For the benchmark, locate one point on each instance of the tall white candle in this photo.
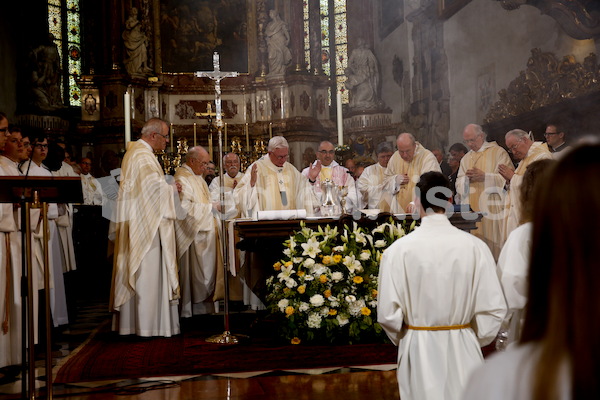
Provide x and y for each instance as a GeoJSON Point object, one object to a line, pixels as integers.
{"type": "Point", "coordinates": [194, 134]}
{"type": "Point", "coordinates": [127, 107]}
{"type": "Point", "coordinates": [270, 130]}
{"type": "Point", "coordinates": [340, 121]}
{"type": "Point", "coordinates": [225, 137]}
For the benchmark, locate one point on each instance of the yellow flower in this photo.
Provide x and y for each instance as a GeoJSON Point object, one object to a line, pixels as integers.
{"type": "Point", "coordinates": [327, 260]}
{"type": "Point", "coordinates": [289, 310]}
{"type": "Point", "coordinates": [327, 293]}
{"type": "Point", "coordinates": [296, 340]}
{"type": "Point", "coordinates": [365, 311]}
{"type": "Point", "coordinates": [374, 292]}
{"type": "Point", "coordinates": [277, 266]}
{"type": "Point", "coordinates": [288, 263]}
{"type": "Point", "coordinates": [357, 279]}
{"type": "Point", "coordinates": [337, 258]}
{"type": "Point", "coordinates": [286, 290]}
{"type": "Point", "coordinates": [323, 278]}
{"type": "Point", "coordinates": [332, 311]}
{"type": "Point", "coordinates": [301, 273]}
{"type": "Point", "coordinates": [301, 289]}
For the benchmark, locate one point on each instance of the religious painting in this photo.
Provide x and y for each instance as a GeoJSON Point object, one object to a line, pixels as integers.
{"type": "Point", "coordinates": [391, 15]}
{"type": "Point", "coordinates": [448, 8]}
{"type": "Point", "coordinates": [192, 30]}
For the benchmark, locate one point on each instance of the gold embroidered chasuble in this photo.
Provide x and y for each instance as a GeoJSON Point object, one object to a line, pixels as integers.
{"type": "Point", "coordinates": [423, 161]}
{"type": "Point", "coordinates": [486, 196]}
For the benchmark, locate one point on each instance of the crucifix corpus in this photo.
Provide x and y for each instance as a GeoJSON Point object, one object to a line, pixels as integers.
{"type": "Point", "coordinates": [217, 75]}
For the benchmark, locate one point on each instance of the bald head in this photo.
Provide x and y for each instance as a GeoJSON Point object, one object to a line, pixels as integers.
{"type": "Point", "coordinates": [197, 158]}
{"type": "Point", "coordinates": [407, 144]}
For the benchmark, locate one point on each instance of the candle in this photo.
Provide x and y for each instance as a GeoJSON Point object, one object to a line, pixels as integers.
{"type": "Point", "coordinates": [172, 129]}
{"type": "Point", "coordinates": [226, 137]}
{"type": "Point", "coordinates": [340, 122]}
{"type": "Point", "coordinates": [270, 130]}
{"type": "Point", "coordinates": [194, 134]}
{"type": "Point", "coordinates": [127, 109]}
{"type": "Point", "coordinates": [208, 108]}
{"type": "Point", "coordinates": [247, 138]}
{"type": "Point", "coordinates": [210, 146]}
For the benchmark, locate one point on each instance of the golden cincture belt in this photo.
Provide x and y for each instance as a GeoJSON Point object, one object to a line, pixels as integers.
{"type": "Point", "coordinates": [438, 328]}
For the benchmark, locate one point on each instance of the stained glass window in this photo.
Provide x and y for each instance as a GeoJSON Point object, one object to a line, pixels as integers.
{"type": "Point", "coordinates": [334, 41]}
{"type": "Point", "coordinates": [64, 24]}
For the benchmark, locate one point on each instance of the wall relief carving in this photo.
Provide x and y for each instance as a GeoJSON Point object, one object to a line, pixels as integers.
{"type": "Point", "coordinates": [546, 81]}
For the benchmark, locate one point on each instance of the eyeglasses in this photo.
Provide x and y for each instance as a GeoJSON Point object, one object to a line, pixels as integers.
{"type": "Point", "coordinates": [327, 152]}
{"type": "Point", "coordinates": [550, 133]}
{"type": "Point", "coordinates": [512, 148]}
{"type": "Point", "coordinates": [164, 136]}
{"type": "Point", "coordinates": [41, 146]}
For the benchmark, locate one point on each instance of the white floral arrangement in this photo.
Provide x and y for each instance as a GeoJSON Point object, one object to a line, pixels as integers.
{"type": "Point", "coordinates": [324, 289]}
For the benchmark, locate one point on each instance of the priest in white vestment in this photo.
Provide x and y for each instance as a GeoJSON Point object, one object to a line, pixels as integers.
{"type": "Point", "coordinates": [480, 185]}
{"type": "Point", "coordinates": [145, 287]}
{"type": "Point", "coordinates": [325, 167]}
{"type": "Point", "coordinates": [525, 151]}
{"type": "Point", "coordinates": [272, 183]}
{"type": "Point", "coordinates": [198, 246]}
{"type": "Point", "coordinates": [371, 183]}
{"type": "Point", "coordinates": [404, 169]}
{"type": "Point", "coordinates": [439, 300]}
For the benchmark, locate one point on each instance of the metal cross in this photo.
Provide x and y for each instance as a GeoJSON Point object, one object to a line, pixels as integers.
{"type": "Point", "coordinates": [217, 75]}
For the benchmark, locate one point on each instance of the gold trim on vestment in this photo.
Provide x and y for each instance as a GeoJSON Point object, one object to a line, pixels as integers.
{"type": "Point", "coordinates": [438, 328]}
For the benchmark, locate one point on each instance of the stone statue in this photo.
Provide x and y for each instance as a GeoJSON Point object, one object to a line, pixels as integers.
{"type": "Point", "coordinates": [278, 38]}
{"type": "Point", "coordinates": [45, 76]}
{"type": "Point", "coordinates": [363, 78]}
{"type": "Point", "coordinates": [136, 45]}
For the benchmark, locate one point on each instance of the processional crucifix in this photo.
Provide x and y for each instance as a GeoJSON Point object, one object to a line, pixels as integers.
{"type": "Point", "coordinates": [217, 75]}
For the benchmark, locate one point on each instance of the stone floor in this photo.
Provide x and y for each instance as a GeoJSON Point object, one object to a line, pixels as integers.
{"type": "Point", "coordinates": [377, 383]}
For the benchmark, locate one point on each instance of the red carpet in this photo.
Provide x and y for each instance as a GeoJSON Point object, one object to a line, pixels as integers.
{"type": "Point", "coordinates": [109, 356]}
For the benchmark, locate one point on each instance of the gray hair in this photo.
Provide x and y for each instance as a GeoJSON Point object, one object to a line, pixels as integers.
{"type": "Point", "coordinates": [231, 153]}
{"type": "Point", "coordinates": [153, 125]}
{"type": "Point", "coordinates": [518, 133]}
{"type": "Point", "coordinates": [194, 153]}
{"type": "Point", "coordinates": [384, 147]}
{"type": "Point", "coordinates": [409, 135]}
{"type": "Point", "coordinates": [479, 131]}
{"type": "Point", "coordinates": [277, 142]}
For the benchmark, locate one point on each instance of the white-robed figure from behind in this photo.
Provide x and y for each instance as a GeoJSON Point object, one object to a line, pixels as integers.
{"type": "Point", "coordinates": [371, 183]}
{"type": "Point", "coordinates": [404, 169]}
{"type": "Point", "coordinates": [272, 183]}
{"type": "Point", "coordinates": [325, 167]}
{"type": "Point", "coordinates": [558, 355]}
{"type": "Point", "coordinates": [198, 245]}
{"type": "Point", "coordinates": [513, 264]}
{"type": "Point", "coordinates": [145, 287]}
{"type": "Point", "coordinates": [439, 299]}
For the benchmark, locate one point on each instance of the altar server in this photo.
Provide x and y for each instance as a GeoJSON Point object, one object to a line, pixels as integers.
{"type": "Point", "coordinates": [439, 299]}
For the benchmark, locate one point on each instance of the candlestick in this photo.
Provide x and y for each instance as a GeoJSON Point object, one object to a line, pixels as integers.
{"type": "Point", "coordinates": [226, 137]}
{"type": "Point", "coordinates": [127, 109]}
{"type": "Point", "coordinates": [340, 121]}
{"type": "Point", "coordinates": [270, 130]}
{"type": "Point", "coordinates": [171, 141]}
{"type": "Point", "coordinates": [247, 138]}
{"type": "Point", "coordinates": [194, 134]}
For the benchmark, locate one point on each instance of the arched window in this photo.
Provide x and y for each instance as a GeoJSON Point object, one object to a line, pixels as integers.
{"type": "Point", "coordinates": [334, 41]}
{"type": "Point", "coordinates": [64, 24]}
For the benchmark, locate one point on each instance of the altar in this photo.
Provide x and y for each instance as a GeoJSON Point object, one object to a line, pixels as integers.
{"type": "Point", "coordinates": [263, 240]}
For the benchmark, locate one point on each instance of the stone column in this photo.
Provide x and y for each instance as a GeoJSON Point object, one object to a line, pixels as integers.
{"type": "Point", "coordinates": [314, 25]}
{"type": "Point", "coordinates": [297, 34]}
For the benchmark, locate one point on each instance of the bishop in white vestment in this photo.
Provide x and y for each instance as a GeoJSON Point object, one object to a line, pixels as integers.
{"type": "Point", "coordinates": [439, 301]}
{"type": "Point", "coordinates": [371, 183]}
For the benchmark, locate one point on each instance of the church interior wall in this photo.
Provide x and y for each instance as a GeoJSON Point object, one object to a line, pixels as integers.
{"type": "Point", "coordinates": [488, 47]}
